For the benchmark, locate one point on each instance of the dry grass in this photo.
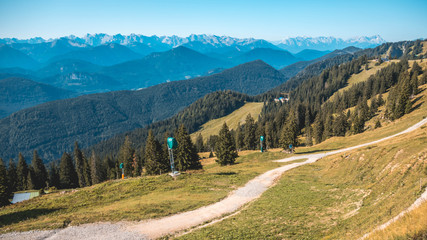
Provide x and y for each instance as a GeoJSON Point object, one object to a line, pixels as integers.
{"type": "Point", "coordinates": [411, 224]}
{"type": "Point", "coordinates": [212, 127]}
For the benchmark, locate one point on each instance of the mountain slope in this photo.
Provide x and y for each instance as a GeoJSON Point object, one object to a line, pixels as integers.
{"type": "Point", "coordinates": [276, 58]}
{"type": "Point", "coordinates": [104, 55]}
{"type": "Point", "coordinates": [91, 118]}
{"type": "Point", "coordinates": [20, 93]}
{"type": "Point", "coordinates": [10, 58]}
{"type": "Point", "coordinates": [310, 54]}
{"type": "Point", "coordinates": [176, 64]}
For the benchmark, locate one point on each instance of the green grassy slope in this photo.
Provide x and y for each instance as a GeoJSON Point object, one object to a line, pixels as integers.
{"type": "Point", "coordinates": [212, 127]}
{"type": "Point", "coordinates": [339, 197]}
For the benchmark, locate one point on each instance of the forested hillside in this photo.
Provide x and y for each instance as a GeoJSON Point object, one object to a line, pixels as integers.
{"type": "Point", "coordinates": [52, 128]}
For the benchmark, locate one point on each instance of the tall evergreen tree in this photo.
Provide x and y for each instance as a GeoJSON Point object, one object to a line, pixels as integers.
{"type": "Point", "coordinates": [12, 176]}
{"type": "Point", "coordinates": [79, 160]}
{"type": "Point", "coordinates": [269, 142]}
{"type": "Point", "coordinates": [95, 169]}
{"type": "Point", "coordinates": [340, 125]}
{"type": "Point", "coordinates": [126, 156]}
{"type": "Point", "coordinates": [308, 129]}
{"type": "Point", "coordinates": [40, 173]}
{"type": "Point", "coordinates": [289, 134]}
{"type": "Point", "coordinates": [31, 179]}
{"type": "Point", "coordinates": [154, 162]}
{"type": "Point", "coordinates": [318, 130]}
{"type": "Point", "coordinates": [186, 154]}
{"type": "Point", "coordinates": [239, 137]}
{"type": "Point", "coordinates": [199, 143]}
{"type": "Point", "coordinates": [22, 172]}
{"type": "Point", "coordinates": [67, 173]}
{"type": "Point", "coordinates": [4, 193]}
{"type": "Point", "coordinates": [225, 150]}
{"type": "Point", "coordinates": [250, 140]}
{"type": "Point", "coordinates": [54, 176]}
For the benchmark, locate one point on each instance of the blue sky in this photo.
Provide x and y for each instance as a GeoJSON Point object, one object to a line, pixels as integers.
{"type": "Point", "coordinates": [267, 19]}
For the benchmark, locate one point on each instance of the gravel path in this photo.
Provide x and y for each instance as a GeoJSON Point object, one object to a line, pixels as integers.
{"type": "Point", "coordinates": [156, 228]}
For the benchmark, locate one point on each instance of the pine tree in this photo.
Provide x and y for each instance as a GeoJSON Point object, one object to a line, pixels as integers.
{"type": "Point", "coordinates": [31, 179]}
{"type": "Point", "coordinates": [80, 166]}
{"type": "Point", "coordinates": [225, 150]}
{"type": "Point", "coordinates": [95, 168]}
{"type": "Point", "coordinates": [318, 130]}
{"type": "Point", "coordinates": [126, 155]}
{"type": "Point", "coordinates": [12, 177]}
{"type": "Point", "coordinates": [239, 137]}
{"type": "Point", "coordinates": [4, 193]}
{"type": "Point", "coordinates": [154, 162]}
{"type": "Point", "coordinates": [54, 176]}
{"type": "Point", "coordinates": [199, 143]}
{"type": "Point", "coordinates": [67, 173]}
{"type": "Point", "coordinates": [40, 173]}
{"type": "Point", "coordinates": [22, 172]}
{"type": "Point", "coordinates": [308, 129]}
{"type": "Point", "coordinates": [340, 125]}
{"type": "Point", "coordinates": [186, 154]}
{"type": "Point", "coordinates": [328, 127]}
{"type": "Point", "coordinates": [289, 134]}
{"type": "Point", "coordinates": [250, 138]}
{"type": "Point", "coordinates": [269, 135]}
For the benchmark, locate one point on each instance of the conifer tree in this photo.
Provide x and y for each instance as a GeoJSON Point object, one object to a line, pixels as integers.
{"type": "Point", "coordinates": [22, 172]}
{"type": "Point", "coordinates": [4, 193]}
{"type": "Point", "coordinates": [377, 124]}
{"type": "Point", "coordinates": [154, 162]}
{"type": "Point", "coordinates": [80, 165]}
{"type": "Point", "coordinates": [340, 125]}
{"type": "Point", "coordinates": [289, 134]}
{"type": "Point", "coordinates": [67, 173]}
{"type": "Point", "coordinates": [95, 169]}
{"type": "Point", "coordinates": [239, 137]}
{"type": "Point", "coordinates": [12, 176]}
{"type": "Point", "coordinates": [40, 174]}
{"type": "Point", "coordinates": [186, 154]}
{"type": "Point", "coordinates": [308, 129]}
{"type": "Point", "coordinates": [126, 156]}
{"type": "Point", "coordinates": [199, 143]}
{"type": "Point", "coordinates": [225, 150]}
{"type": "Point", "coordinates": [269, 135]}
{"type": "Point", "coordinates": [250, 138]}
{"type": "Point", "coordinates": [328, 127]}
{"type": "Point", "coordinates": [54, 176]}
{"type": "Point", "coordinates": [31, 179]}
{"type": "Point", "coordinates": [318, 130]}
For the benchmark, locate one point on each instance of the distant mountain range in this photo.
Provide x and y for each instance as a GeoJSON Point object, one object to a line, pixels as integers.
{"type": "Point", "coordinates": [206, 43]}
{"type": "Point", "coordinates": [298, 44]}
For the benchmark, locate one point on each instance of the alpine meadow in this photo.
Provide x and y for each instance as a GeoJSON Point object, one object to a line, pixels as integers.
{"type": "Point", "coordinates": [213, 120]}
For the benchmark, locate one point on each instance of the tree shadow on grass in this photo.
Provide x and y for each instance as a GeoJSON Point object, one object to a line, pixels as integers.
{"type": "Point", "coordinates": [225, 173]}
{"type": "Point", "coordinates": [16, 217]}
{"type": "Point", "coordinates": [317, 151]}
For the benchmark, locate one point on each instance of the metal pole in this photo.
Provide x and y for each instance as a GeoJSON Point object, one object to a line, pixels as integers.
{"type": "Point", "coordinates": [171, 160]}
{"type": "Point", "coordinates": [123, 173]}
{"type": "Point", "coordinates": [261, 146]}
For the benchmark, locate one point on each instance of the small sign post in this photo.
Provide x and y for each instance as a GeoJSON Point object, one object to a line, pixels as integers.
{"type": "Point", "coordinates": [172, 144]}
{"type": "Point", "coordinates": [261, 140]}
{"type": "Point", "coordinates": [123, 170]}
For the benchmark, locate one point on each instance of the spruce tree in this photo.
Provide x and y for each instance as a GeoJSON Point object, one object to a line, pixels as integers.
{"type": "Point", "coordinates": [126, 156]}
{"type": "Point", "coordinates": [239, 137]}
{"type": "Point", "coordinates": [12, 176]}
{"type": "Point", "coordinates": [186, 154]}
{"type": "Point", "coordinates": [199, 143]}
{"type": "Point", "coordinates": [154, 162]}
{"type": "Point", "coordinates": [40, 173]}
{"type": "Point", "coordinates": [95, 169]}
{"type": "Point", "coordinates": [269, 135]}
{"type": "Point", "coordinates": [340, 125]}
{"type": "Point", "coordinates": [250, 138]}
{"type": "Point", "coordinates": [67, 173]}
{"type": "Point", "coordinates": [289, 134]}
{"type": "Point", "coordinates": [31, 179]}
{"type": "Point", "coordinates": [225, 150]}
{"type": "Point", "coordinates": [4, 193]}
{"type": "Point", "coordinates": [54, 176]}
{"type": "Point", "coordinates": [318, 130]}
{"type": "Point", "coordinates": [308, 129]}
{"type": "Point", "coordinates": [377, 124]}
{"type": "Point", "coordinates": [22, 172]}
{"type": "Point", "coordinates": [80, 165]}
